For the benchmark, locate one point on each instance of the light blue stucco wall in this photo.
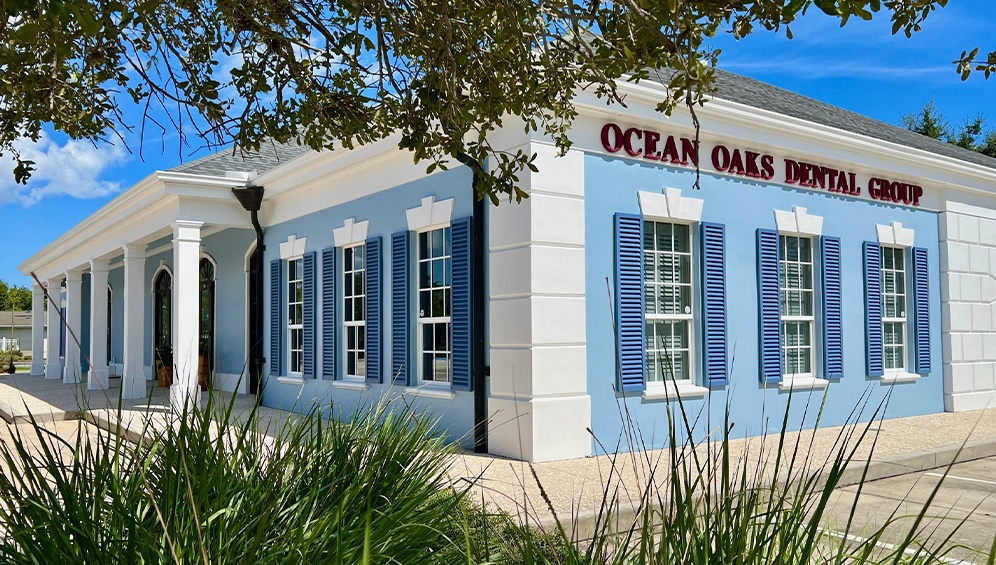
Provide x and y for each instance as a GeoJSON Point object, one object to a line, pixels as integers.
{"type": "Point", "coordinates": [386, 214]}
{"type": "Point", "coordinates": [228, 249]}
{"type": "Point", "coordinates": [611, 186]}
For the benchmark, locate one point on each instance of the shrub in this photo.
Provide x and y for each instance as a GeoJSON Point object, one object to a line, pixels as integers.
{"type": "Point", "coordinates": [369, 489]}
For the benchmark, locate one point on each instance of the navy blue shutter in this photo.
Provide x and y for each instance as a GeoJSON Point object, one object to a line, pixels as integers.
{"type": "Point", "coordinates": [328, 313]}
{"type": "Point", "coordinates": [921, 299]}
{"type": "Point", "coordinates": [276, 319]}
{"type": "Point", "coordinates": [630, 307]}
{"type": "Point", "coordinates": [873, 308]}
{"type": "Point", "coordinates": [833, 321]}
{"type": "Point", "coordinates": [373, 314]}
{"type": "Point", "coordinates": [309, 315]}
{"type": "Point", "coordinates": [714, 303]}
{"type": "Point", "coordinates": [769, 306]}
{"type": "Point", "coordinates": [400, 309]}
{"type": "Point", "coordinates": [460, 305]}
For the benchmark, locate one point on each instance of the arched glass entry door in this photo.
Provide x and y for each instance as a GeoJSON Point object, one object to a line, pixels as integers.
{"type": "Point", "coordinates": [205, 348]}
{"type": "Point", "coordinates": [162, 328]}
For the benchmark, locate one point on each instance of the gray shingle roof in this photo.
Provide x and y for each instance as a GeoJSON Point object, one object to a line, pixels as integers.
{"type": "Point", "coordinates": [737, 88]}
{"type": "Point", "coordinates": [269, 156]}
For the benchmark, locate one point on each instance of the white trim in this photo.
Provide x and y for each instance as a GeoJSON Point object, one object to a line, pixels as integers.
{"type": "Point", "coordinates": [891, 377]}
{"type": "Point", "coordinates": [431, 391]}
{"type": "Point", "coordinates": [351, 233]}
{"type": "Point", "coordinates": [293, 247]}
{"type": "Point", "coordinates": [285, 307]}
{"type": "Point", "coordinates": [670, 205]}
{"type": "Point", "coordinates": [430, 214]}
{"type": "Point", "coordinates": [350, 384]}
{"type": "Point", "coordinates": [674, 390]}
{"type": "Point", "coordinates": [894, 235]}
{"type": "Point", "coordinates": [798, 222]}
{"type": "Point", "coordinates": [291, 380]}
{"type": "Point", "coordinates": [800, 382]}
{"type": "Point", "coordinates": [155, 275]}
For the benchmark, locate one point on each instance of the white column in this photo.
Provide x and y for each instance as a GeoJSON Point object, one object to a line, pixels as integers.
{"type": "Point", "coordinates": [37, 330]}
{"type": "Point", "coordinates": [539, 404]}
{"type": "Point", "coordinates": [97, 378]}
{"type": "Point", "coordinates": [186, 309]}
{"type": "Point", "coordinates": [133, 377]}
{"type": "Point", "coordinates": [74, 322]}
{"type": "Point", "coordinates": [53, 363]}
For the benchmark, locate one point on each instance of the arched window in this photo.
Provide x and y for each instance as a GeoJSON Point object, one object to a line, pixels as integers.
{"type": "Point", "coordinates": [162, 330]}
{"type": "Point", "coordinates": [206, 341]}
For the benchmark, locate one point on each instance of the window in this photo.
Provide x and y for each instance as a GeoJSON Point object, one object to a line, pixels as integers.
{"type": "Point", "coordinates": [434, 280]}
{"type": "Point", "coordinates": [667, 272]}
{"type": "Point", "coordinates": [295, 314]}
{"type": "Point", "coordinates": [354, 310]}
{"type": "Point", "coordinates": [795, 257]}
{"type": "Point", "coordinates": [894, 308]}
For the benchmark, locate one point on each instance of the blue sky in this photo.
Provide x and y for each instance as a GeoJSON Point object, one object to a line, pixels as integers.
{"type": "Point", "coordinates": [861, 67]}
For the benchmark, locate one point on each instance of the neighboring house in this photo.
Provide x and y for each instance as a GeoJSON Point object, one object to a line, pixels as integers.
{"type": "Point", "coordinates": [823, 251]}
{"type": "Point", "coordinates": [15, 331]}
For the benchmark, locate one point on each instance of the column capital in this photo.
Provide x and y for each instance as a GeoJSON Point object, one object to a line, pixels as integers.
{"type": "Point", "coordinates": [99, 265]}
{"type": "Point", "coordinates": [187, 230]}
{"type": "Point", "coordinates": [134, 250]}
{"type": "Point", "coordinates": [37, 289]}
{"type": "Point", "coordinates": [56, 281]}
{"type": "Point", "coordinates": [74, 275]}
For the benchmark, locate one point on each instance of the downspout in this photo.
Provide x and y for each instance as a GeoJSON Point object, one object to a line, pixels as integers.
{"type": "Point", "coordinates": [479, 371]}
{"type": "Point", "coordinates": [251, 199]}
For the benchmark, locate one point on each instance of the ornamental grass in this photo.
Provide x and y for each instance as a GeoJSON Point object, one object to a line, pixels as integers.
{"type": "Point", "coordinates": [208, 487]}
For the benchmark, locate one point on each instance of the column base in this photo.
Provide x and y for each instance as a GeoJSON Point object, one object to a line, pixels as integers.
{"type": "Point", "coordinates": [133, 383]}
{"type": "Point", "coordinates": [53, 369]}
{"type": "Point", "coordinates": [97, 379]}
{"type": "Point", "coordinates": [970, 401]}
{"type": "Point", "coordinates": [540, 429]}
{"type": "Point", "coordinates": [184, 400]}
{"type": "Point", "coordinates": [72, 375]}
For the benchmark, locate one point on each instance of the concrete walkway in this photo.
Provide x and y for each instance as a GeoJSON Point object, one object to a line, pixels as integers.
{"type": "Point", "coordinates": [570, 491]}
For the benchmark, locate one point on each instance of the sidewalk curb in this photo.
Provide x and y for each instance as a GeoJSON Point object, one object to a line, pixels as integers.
{"type": "Point", "coordinates": [916, 461]}
{"type": "Point", "coordinates": [583, 524]}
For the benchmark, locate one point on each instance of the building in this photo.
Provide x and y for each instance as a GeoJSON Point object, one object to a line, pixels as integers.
{"type": "Point", "coordinates": [15, 331]}
{"type": "Point", "coordinates": [815, 251]}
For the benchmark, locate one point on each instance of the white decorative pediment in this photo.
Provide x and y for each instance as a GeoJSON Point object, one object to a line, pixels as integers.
{"type": "Point", "coordinates": [895, 235]}
{"type": "Point", "coordinates": [430, 214]}
{"type": "Point", "coordinates": [293, 247]}
{"type": "Point", "coordinates": [351, 232]}
{"type": "Point", "coordinates": [670, 205]}
{"type": "Point", "coordinates": [798, 222]}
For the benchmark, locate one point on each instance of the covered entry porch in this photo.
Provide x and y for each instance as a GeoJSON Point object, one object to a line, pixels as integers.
{"type": "Point", "coordinates": [152, 287]}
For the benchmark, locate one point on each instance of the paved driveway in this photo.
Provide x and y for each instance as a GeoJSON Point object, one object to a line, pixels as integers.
{"type": "Point", "coordinates": [965, 504]}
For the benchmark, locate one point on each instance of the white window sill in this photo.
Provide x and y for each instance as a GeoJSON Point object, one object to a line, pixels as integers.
{"type": "Point", "coordinates": [431, 392]}
{"type": "Point", "coordinates": [351, 384]}
{"type": "Point", "coordinates": [899, 377]}
{"type": "Point", "coordinates": [802, 383]}
{"type": "Point", "coordinates": [291, 380]}
{"type": "Point", "coordinates": [670, 390]}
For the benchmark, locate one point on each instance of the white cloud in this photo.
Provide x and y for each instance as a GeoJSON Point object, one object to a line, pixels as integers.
{"type": "Point", "coordinates": [73, 169]}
